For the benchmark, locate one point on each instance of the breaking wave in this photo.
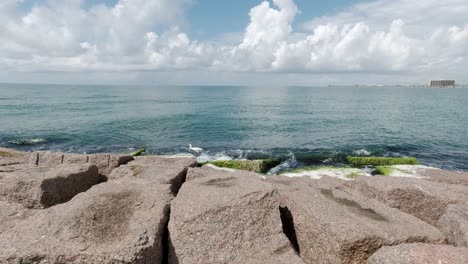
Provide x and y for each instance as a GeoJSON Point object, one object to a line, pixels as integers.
{"type": "Point", "coordinates": [27, 141]}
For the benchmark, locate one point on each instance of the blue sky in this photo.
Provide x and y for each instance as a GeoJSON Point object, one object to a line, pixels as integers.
{"type": "Point", "coordinates": [287, 42]}
{"type": "Point", "coordinates": [232, 16]}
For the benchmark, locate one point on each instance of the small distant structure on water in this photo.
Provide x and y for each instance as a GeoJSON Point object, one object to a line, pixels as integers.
{"type": "Point", "coordinates": [442, 83]}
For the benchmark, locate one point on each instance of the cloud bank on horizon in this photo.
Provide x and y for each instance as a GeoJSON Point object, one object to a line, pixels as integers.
{"type": "Point", "coordinates": [423, 38]}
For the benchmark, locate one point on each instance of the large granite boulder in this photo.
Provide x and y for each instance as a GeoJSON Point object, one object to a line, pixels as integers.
{"type": "Point", "coordinates": [156, 170]}
{"type": "Point", "coordinates": [420, 254]}
{"type": "Point", "coordinates": [336, 226]}
{"type": "Point", "coordinates": [427, 200]}
{"type": "Point", "coordinates": [42, 187]}
{"type": "Point", "coordinates": [227, 217]}
{"type": "Point", "coordinates": [110, 223]}
{"type": "Point", "coordinates": [424, 199]}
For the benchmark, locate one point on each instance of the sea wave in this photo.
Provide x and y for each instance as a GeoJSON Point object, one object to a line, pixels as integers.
{"type": "Point", "coordinates": [362, 152]}
{"type": "Point", "coordinates": [206, 157]}
{"type": "Point", "coordinates": [27, 141]}
{"type": "Point", "coordinates": [286, 165]}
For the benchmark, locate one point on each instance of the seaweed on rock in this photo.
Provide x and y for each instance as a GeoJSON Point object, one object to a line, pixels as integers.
{"type": "Point", "coordinates": [381, 161]}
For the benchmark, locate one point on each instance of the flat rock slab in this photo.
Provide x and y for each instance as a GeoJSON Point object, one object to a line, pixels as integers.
{"type": "Point", "coordinates": [227, 217]}
{"type": "Point", "coordinates": [110, 223]}
{"type": "Point", "coordinates": [424, 199]}
{"type": "Point", "coordinates": [334, 226]}
{"type": "Point", "coordinates": [420, 254]}
{"type": "Point", "coordinates": [104, 162]}
{"type": "Point", "coordinates": [42, 187]}
{"type": "Point", "coordinates": [155, 170]}
{"type": "Point", "coordinates": [165, 161]}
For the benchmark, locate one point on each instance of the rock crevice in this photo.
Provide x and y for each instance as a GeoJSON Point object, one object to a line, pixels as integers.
{"type": "Point", "coordinates": [287, 221]}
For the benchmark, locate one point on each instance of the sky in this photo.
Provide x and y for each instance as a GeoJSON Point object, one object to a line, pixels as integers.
{"type": "Point", "coordinates": [243, 42]}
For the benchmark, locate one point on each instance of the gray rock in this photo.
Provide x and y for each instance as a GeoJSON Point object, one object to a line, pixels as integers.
{"type": "Point", "coordinates": [227, 217]}
{"type": "Point", "coordinates": [336, 226]}
{"type": "Point", "coordinates": [420, 254]}
{"type": "Point", "coordinates": [41, 187]}
{"type": "Point", "coordinates": [110, 223]}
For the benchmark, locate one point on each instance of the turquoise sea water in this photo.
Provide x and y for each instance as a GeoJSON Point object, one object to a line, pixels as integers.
{"type": "Point", "coordinates": [312, 125]}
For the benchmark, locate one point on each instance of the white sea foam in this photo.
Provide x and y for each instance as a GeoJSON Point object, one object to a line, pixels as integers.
{"type": "Point", "coordinates": [342, 173]}
{"type": "Point", "coordinates": [180, 155]}
{"type": "Point", "coordinates": [27, 141]}
{"type": "Point", "coordinates": [410, 171]}
{"type": "Point", "coordinates": [284, 166]}
{"type": "Point", "coordinates": [206, 157]}
{"type": "Point", "coordinates": [361, 152]}
{"type": "Point", "coordinates": [219, 168]}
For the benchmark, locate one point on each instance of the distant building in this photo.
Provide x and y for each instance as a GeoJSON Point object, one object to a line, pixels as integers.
{"type": "Point", "coordinates": [442, 83]}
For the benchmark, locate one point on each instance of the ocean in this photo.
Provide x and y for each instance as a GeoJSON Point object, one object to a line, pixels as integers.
{"type": "Point", "coordinates": [306, 125]}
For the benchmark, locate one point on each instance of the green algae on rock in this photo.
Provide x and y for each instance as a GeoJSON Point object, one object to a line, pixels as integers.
{"type": "Point", "coordinates": [137, 152]}
{"type": "Point", "coordinates": [259, 166]}
{"type": "Point", "coordinates": [5, 154]}
{"type": "Point", "coordinates": [384, 170]}
{"type": "Point", "coordinates": [381, 161]}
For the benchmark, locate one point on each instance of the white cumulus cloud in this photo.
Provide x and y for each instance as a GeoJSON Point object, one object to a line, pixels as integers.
{"type": "Point", "coordinates": [379, 37]}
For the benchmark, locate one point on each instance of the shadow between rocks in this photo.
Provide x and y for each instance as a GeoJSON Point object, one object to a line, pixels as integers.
{"type": "Point", "coordinates": [287, 221]}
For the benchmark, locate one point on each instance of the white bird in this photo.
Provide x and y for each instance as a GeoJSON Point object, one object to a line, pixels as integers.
{"type": "Point", "coordinates": [195, 149]}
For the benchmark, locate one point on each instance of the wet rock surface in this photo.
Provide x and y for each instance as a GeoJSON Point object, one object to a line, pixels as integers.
{"type": "Point", "coordinates": [110, 208]}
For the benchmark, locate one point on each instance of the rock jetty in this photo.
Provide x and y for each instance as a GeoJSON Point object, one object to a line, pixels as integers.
{"type": "Point", "coordinates": [110, 208]}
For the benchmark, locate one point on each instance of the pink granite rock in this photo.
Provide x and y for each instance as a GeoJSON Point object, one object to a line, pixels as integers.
{"type": "Point", "coordinates": [228, 217]}
{"type": "Point", "coordinates": [337, 226]}
{"type": "Point", "coordinates": [41, 187]}
{"type": "Point", "coordinates": [420, 254]}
